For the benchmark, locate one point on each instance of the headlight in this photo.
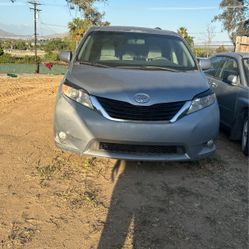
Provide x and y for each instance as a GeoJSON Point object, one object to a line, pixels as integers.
{"type": "Point", "coordinates": [201, 101]}
{"type": "Point", "coordinates": [78, 95]}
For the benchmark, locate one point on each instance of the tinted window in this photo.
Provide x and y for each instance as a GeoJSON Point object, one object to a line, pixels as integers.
{"type": "Point", "coordinates": [230, 67]}
{"type": "Point", "coordinates": [246, 65]}
{"type": "Point", "coordinates": [216, 64]}
{"type": "Point", "coordinates": [136, 49]}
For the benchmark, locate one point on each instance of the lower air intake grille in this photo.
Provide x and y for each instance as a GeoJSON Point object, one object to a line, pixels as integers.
{"type": "Point", "coordinates": [140, 149]}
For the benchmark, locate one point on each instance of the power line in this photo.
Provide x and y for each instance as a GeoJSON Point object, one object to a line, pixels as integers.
{"type": "Point", "coordinates": [54, 5]}
{"type": "Point", "coordinates": [53, 25]}
{"type": "Point", "coordinates": [203, 33]}
{"type": "Point", "coordinates": [23, 3]}
{"type": "Point", "coordinates": [48, 27]}
{"type": "Point", "coordinates": [36, 11]}
{"type": "Point", "coordinates": [196, 8]}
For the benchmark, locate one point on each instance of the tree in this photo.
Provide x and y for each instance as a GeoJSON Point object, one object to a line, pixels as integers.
{"type": "Point", "coordinates": [183, 32]}
{"type": "Point", "coordinates": [234, 17]}
{"type": "Point", "coordinates": [1, 50]}
{"type": "Point", "coordinates": [56, 44]}
{"type": "Point", "coordinates": [20, 44]}
{"type": "Point", "coordinates": [200, 52]}
{"type": "Point", "coordinates": [210, 37]}
{"type": "Point", "coordinates": [89, 11]}
{"type": "Point", "coordinates": [221, 49]}
{"type": "Point", "coordinates": [210, 33]}
{"type": "Point", "coordinates": [92, 17]}
{"type": "Point", "coordinates": [77, 27]}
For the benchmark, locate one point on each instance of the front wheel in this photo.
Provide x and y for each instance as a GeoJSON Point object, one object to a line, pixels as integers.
{"type": "Point", "coordinates": [245, 137]}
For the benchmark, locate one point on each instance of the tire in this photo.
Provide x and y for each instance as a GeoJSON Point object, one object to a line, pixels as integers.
{"type": "Point", "coordinates": [245, 136]}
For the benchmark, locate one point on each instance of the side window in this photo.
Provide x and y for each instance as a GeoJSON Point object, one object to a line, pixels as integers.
{"type": "Point", "coordinates": [216, 64]}
{"type": "Point", "coordinates": [85, 52]}
{"type": "Point", "coordinates": [230, 68]}
{"type": "Point", "coordinates": [246, 65]}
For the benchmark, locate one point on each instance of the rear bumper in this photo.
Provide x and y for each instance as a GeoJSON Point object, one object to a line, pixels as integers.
{"type": "Point", "coordinates": [84, 128]}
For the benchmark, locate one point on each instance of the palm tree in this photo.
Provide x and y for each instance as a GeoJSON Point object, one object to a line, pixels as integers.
{"type": "Point", "coordinates": [77, 27]}
{"type": "Point", "coordinates": [182, 31]}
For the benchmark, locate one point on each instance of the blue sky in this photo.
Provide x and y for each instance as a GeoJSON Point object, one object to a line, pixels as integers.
{"type": "Point", "coordinates": [195, 15]}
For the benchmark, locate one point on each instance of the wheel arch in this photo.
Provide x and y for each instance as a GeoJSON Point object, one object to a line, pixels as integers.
{"type": "Point", "coordinates": [236, 129]}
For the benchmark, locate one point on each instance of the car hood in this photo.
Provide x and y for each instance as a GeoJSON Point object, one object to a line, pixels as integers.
{"type": "Point", "coordinates": [124, 84]}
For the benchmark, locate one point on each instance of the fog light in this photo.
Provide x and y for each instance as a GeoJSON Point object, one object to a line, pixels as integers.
{"type": "Point", "coordinates": [210, 143]}
{"type": "Point", "coordinates": [62, 135]}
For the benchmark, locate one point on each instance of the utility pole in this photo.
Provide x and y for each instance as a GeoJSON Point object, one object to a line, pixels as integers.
{"type": "Point", "coordinates": [36, 10]}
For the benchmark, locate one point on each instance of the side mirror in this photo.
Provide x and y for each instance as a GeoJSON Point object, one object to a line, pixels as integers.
{"type": "Point", "coordinates": [205, 64]}
{"type": "Point", "coordinates": [66, 56]}
{"type": "Point", "coordinates": [233, 80]}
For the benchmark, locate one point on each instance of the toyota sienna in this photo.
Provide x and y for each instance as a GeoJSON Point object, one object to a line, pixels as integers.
{"type": "Point", "coordinates": [136, 94]}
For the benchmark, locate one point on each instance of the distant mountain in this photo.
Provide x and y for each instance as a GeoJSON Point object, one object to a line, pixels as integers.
{"type": "Point", "coordinates": [24, 31]}
{"type": "Point", "coordinates": [52, 36]}
{"type": "Point", "coordinates": [4, 34]}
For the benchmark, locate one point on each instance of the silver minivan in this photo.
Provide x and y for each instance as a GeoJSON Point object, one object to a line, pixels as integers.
{"type": "Point", "coordinates": [136, 94]}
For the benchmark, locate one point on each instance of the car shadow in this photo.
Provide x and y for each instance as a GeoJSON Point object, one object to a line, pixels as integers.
{"type": "Point", "coordinates": [130, 213]}
{"type": "Point", "coordinates": [171, 205]}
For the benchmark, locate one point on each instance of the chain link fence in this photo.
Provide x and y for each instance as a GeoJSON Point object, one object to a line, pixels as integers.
{"type": "Point", "coordinates": [30, 69]}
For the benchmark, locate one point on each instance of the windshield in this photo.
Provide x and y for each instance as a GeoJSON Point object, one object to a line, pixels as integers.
{"type": "Point", "coordinates": [125, 49]}
{"type": "Point", "coordinates": [246, 65]}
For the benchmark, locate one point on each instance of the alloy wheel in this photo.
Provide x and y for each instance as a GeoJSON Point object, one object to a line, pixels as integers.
{"type": "Point", "coordinates": [244, 141]}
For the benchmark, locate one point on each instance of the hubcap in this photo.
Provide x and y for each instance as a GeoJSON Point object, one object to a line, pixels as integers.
{"type": "Point", "coordinates": [245, 134]}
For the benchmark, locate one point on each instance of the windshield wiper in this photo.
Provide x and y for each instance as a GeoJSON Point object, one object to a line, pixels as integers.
{"type": "Point", "coordinates": [148, 67]}
{"type": "Point", "coordinates": [170, 69]}
{"type": "Point", "coordinates": [175, 69]}
{"type": "Point", "coordinates": [93, 64]}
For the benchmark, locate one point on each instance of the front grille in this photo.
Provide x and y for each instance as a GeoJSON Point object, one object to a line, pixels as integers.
{"type": "Point", "coordinates": [126, 111]}
{"type": "Point", "coordinates": [140, 149]}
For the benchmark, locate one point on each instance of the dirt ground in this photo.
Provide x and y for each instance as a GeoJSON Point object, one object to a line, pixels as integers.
{"type": "Point", "coordinates": [52, 199]}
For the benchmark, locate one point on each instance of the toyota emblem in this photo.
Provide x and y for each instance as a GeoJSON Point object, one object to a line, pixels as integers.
{"type": "Point", "coordinates": [142, 98]}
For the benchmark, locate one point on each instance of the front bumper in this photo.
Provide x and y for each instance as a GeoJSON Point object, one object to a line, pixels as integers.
{"type": "Point", "coordinates": [84, 128]}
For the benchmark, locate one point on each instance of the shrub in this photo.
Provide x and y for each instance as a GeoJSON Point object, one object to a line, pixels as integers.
{"type": "Point", "coordinates": [221, 49]}
{"type": "Point", "coordinates": [19, 44]}
{"type": "Point", "coordinates": [7, 58]}
{"type": "Point", "coordinates": [1, 50]}
{"type": "Point", "coordinates": [55, 45]}
{"type": "Point", "coordinates": [26, 60]}
{"type": "Point", "coordinates": [51, 56]}
{"type": "Point", "coordinates": [203, 52]}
